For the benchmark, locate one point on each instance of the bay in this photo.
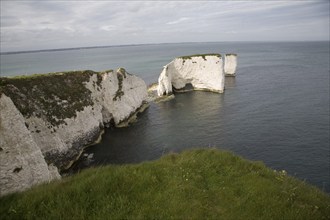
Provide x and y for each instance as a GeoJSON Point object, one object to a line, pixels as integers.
{"type": "Point", "coordinates": [275, 110]}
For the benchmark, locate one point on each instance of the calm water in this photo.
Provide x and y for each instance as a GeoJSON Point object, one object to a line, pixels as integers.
{"type": "Point", "coordinates": [276, 109]}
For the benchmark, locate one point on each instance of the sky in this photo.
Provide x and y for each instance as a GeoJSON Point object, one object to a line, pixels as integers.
{"type": "Point", "coordinates": [50, 24]}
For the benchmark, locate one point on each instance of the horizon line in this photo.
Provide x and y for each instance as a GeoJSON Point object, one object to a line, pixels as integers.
{"type": "Point", "coordinates": [144, 44]}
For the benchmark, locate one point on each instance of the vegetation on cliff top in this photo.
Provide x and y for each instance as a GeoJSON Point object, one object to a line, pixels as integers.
{"type": "Point", "coordinates": [196, 184]}
{"type": "Point", "coordinates": [200, 55]}
{"type": "Point", "coordinates": [231, 54]}
{"type": "Point", "coordinates": [53, 96]}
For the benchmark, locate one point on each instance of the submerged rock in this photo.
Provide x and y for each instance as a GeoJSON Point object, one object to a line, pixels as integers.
{"type": "Point", "coordinates": [54, 116]}
{"type": "Point", "coordinates": [202, 71]}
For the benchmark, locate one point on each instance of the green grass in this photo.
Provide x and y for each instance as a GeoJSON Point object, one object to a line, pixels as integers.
{"type": "Point", "coordinates": [56, 96]}
{"type": "Point", "coordinates": [196, 184]}
{"type": "Point", "coordinates": [200, 55]}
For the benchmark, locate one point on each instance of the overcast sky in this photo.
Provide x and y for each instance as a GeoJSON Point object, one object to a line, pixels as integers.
{"type": "Point", "coordinates": [31, 25]}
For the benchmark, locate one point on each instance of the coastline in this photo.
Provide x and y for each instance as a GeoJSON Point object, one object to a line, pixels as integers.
{"type": "Point", "coordinates": [60, 114]}
{"type": "Point", "coordinates": [258, 86]}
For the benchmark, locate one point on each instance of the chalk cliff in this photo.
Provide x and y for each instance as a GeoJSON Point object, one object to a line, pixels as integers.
{"type": "Point", "coordinates": [202, 71]}
{"type": "Point", "coordinates": [230, 64]}
{"type": "Point", "coordinates": [22, 163]}
{"type": "Point", "coordinates": [50, 118]}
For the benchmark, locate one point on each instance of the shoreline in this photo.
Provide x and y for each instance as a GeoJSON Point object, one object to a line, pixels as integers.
{"type": "Point", "coordinates": [125, 123]}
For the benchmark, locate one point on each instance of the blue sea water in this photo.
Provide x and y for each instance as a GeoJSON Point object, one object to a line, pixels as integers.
{"type": "Point", "coordinates": [275, 110]}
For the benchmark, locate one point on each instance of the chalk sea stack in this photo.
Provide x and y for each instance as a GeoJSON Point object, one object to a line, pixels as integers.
{"type": "Point", "coordinates": [202, 71]}
{"type": "Point", "coordinates": [230, 64]}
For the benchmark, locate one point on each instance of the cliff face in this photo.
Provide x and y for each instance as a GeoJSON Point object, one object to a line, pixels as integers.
{"type": "Point", "coordinates": [57, 115]}
{"type": "Point", "coordinates": [230, 64]}
{"type": "Point", "coordinates": [22, 163]}
{"type": "Point", "coordinates": [203, 72]}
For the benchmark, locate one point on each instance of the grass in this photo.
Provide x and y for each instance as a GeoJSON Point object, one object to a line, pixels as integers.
{"type": "Point", "coordinates": [195, 184]}
{"type": "Point", "coordinates": [200, 55]}
{"type": "Point", "coordinates": [56, 96]}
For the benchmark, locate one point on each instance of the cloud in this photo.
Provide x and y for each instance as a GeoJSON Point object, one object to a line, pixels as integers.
{"type": "Point", "coordinates": [9, 21]}
{"type": "Point", "coordinates": [180, 20]}
{"type": "Point", "coordinates": [27, 25]}
{"type": "Point", "coordinates": [108, 27]}
{"type": "Point", "coordinates": [231, 32]}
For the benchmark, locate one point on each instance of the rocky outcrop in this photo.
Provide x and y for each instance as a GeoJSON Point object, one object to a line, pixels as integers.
{"type": "Point", "coordinates": [22, 163]}
{"type": "Point", "coordinates": [230, 64]}
{"type": "Point", "coordinates": [202, 71]}
{"type": "Point", "coordinates": [61, 113]}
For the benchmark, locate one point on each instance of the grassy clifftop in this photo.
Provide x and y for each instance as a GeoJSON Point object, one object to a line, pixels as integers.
{"type": "Point", "coordinates": [50, 95]}
{"type": "Point", "coordinates": [196, 184]}
{"type": "Point", "coordinates": [200, 55]}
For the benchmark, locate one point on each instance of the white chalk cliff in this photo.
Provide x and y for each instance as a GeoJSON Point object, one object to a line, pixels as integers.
{"type": "Point", "coordinates": [203, 72]}
{"type": "Point", "coordinates": [51, 123]}
{"type": "Point", "coordinates": [230, 64]}
{"type": "Point", "coordinates": [21, 160]}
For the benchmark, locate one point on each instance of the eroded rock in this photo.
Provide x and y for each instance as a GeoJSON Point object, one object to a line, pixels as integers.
{"type": "Point", "coordinates": [202, 72]}
{"type": "Point", "coordinates": [50, 118]}
{"type": "Point", "coordinates": [230, 64]}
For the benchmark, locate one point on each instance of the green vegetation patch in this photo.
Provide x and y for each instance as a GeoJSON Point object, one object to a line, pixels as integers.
{"type": "Point", "coordinates": [121, 74]}
{"type": "Point", "coordinates": [231, 54]}
{"type": "Point", "coordinates": [53, 96]}
{"type": "Point", "coordinates": [196, 184]}
{"type": "Point", "coordinates": [200, 55]}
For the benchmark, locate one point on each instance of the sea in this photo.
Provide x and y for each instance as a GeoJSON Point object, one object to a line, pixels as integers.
{"type": "Point", "coordinates": [276, 109]}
